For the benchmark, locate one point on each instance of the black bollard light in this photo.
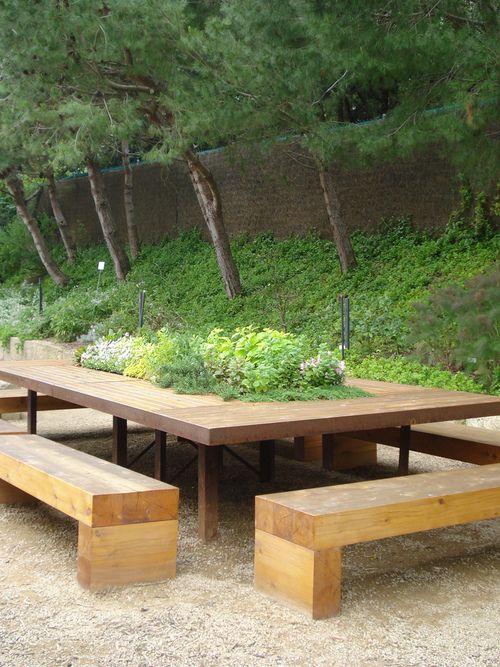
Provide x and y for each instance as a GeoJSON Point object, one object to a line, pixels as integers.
{"type": "Point", "coordinates": [142, 298]}
{"type": "Point", "coordinates": [345, 328]}
{"type": "Point", "coordinates": [40, 295]}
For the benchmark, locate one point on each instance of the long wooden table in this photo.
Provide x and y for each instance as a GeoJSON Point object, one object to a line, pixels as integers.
{"type": "Point", "coordinates": [211, 423]}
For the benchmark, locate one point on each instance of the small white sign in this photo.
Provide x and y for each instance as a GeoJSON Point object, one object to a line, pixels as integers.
{"type": "Point", "coordinates": [100, 266]}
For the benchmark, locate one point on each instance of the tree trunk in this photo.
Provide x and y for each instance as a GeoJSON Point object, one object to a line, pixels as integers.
{"type": "Point", "coordinates": [16, 187]}
{"type": "Point", "coordinates": [340, 234]}
{"type": "Point", "coordinates": [211, 206]}
{"type": "Point", "coordinates": [60, 219]}
{"type": "Point", "coordinates": [128, 201]}
{"type": "Point", "coordinates": [103, 209]}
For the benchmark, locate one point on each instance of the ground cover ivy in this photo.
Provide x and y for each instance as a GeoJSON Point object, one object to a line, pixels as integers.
{"type": "Point", "coordinates": [290, 285]}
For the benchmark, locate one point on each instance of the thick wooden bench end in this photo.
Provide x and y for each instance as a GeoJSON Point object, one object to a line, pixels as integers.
{"type": "Point", "coordinates": [308, 579]}
{"type": "Point", "coordinates": [119, 555]}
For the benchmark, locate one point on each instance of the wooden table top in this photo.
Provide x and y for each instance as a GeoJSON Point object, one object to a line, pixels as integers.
{"type": "Point", "coordinates": [211, 421]}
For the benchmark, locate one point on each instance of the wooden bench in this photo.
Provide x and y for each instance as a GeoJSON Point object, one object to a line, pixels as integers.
{"type": "Point", "coordinates": [470, 444]}
{"type": "Point", "coordinates": [299, 534]}
{"type": "Point", "coordinates": [6, 428]}
{"type": "Point", "coordinates": [127, 522]}
{"type": "Point", "coordinates": [16, 400]}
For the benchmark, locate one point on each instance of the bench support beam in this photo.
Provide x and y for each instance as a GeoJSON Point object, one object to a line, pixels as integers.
{"type": "Point", "coordinates": [305, 578]}
{"type": "Point", "coordinates": [120, 555]}
{"type": "Point", "coordinates": [11, 495]}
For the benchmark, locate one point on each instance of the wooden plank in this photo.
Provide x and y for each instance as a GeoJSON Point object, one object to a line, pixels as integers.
{"type": "Point", "coordinates": [93, 491]}
{"type": "Point", "coordinates": [16, 400]}
{"type": "Point", "coordinates": [308, 579]}
{"type": "Point", "coordinates": [6, 428]}
{"type": "Point", "coordinates": [11, 495]}
{"type": "Point", "coordinates": [208, 493]}
{"type": "Point", "coordinates": [453, 441]}
{"type": "Point", "coordinates": [120, 555]}
{"type": "Point", "coordinates": [348, 452]}
{"type": "Point", "coordinates": [336, 516]}
{"type": "Point", "coordinates": [235, 422]}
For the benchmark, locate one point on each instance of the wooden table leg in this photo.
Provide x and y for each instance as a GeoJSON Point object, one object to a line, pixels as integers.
{"type": "Point", "coordinates": [161, 456]}
{"type": "Point", "coordinates": [208, 491]}
{"type": "Point", "coordinates": [119, 455]}
{"type": "Point", "coordinates": [267, 450]}
{"type": "Point", "coordinates": [404, 450]}
{"type": "Point", "coordinates": [32, 411]}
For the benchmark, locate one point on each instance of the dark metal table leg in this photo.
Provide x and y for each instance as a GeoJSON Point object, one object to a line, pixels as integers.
{"type": "Point", "coordinates": [328, 450]}
{"type": "Point", "coordinates": [404, 450]}
{"type": "Point", "coordinates": [208, 491]}
{"type": "Point", "coordinates": [32, 411]}
{"type": "Point", "coordinates": [161, 456]}
{"type": "Point", "coordinates": [119, 454]}
{"type": "Point", "coordinates": [267, 451]}
{"type": "Point", "coordinates": [298, 448]}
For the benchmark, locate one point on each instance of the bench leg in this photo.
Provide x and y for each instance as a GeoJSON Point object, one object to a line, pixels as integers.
{"type": "Point", "coordinates": [308, 579]}
{"type": "Point", "coordinates": [11, 495]}
{"type": "Point", "coordinates": [127, 554]}
{"type": "Point", "coordinates": [342, 453]}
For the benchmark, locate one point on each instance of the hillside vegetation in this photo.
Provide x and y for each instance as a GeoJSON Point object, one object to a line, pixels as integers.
{"type": "Point", "coordinates": [293, 285]}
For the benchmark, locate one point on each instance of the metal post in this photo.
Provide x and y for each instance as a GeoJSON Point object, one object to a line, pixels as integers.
{"type": "Point", "coordinates": [40, 295]}
{"type": "Point", "coordinates": [347, 325]}
{"type": "Point", "coordinates": [342, 328]}
{"type": "Point", "coordinates": [142, 298]}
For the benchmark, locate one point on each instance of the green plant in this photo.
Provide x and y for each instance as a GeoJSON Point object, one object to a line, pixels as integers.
{"type": "Point", "coordinates": [460, 327]}
{"type": "Point", "coordinates": [116, 355]}
{"type": "Point", "coordinates": [254, 361]}
{"type": "Point", "coordinates": [324, 370]}
{"type": "Point", "coordinates": [407, 371]}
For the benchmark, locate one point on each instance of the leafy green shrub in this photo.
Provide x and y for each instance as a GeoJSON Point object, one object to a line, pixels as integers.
{"type": "Point", "coordinates": [460, 327]}
{"type": "Point", "coordinates": [407, 371]}
{"type": "Point", "coordinates": [163, 353]}
{"type": "Point", "coordinates": [17, 253]}
{"type": "Point", "coordinates": [323, 370]}
{"type": "Point", "coordinates": [261, 361]}
{"type": "Point", "coordinates": [70, 316]}
{"type": "Point", "coordinates": [121, 355]}
{"type": "Point", "coordinates": [255, 361]}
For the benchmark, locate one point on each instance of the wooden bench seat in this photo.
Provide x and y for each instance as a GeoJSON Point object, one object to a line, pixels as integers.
{"type": "Point", "coordinates": [16, 400]}
{"type": "Point", "coordinates": [299, 534]}
{"type": "Point", "coordinates": [127, 522]}
{"type": "Point", "coordinates": [6, 428]}
{"type": "Point", "coordinates": [469, 444]}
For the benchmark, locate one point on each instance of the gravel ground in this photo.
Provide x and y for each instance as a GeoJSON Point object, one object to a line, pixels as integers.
{"type": "Point", "coordinates": [427, 599]}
